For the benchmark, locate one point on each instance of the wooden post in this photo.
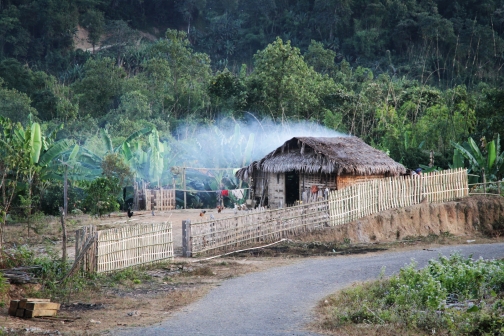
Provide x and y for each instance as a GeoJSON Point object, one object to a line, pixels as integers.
{"type": "Point", "coordinates": [65, 194]}
{"type": "Point", "coordinates": [186, 239]}
{"type": "Point", "coordinates": [184, 186]}
{"type": "Point", "coordinates": [63, 229]}
{"type": "Point", "coordinates": [484, 179]}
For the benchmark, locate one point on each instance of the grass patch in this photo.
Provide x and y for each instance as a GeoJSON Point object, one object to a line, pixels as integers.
{"type": "Point", "coordinates": [454, 295]}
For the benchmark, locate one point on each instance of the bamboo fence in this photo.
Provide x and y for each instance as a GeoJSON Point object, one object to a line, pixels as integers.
{"type": "Point", "coordinates": [133, 245]}
{"type": "Point", "coordinates": [257, 226]}
{"type": "Point", "coordinates": [343, 206]}
{"type": "Point", "coordinates": [364, 199]}
{"type": "Point", "coordinates": [164, 199]}
{"type": "Point", "coordinates": [115, 249]}
{"type": "Point", "coordinates": [155, 199]}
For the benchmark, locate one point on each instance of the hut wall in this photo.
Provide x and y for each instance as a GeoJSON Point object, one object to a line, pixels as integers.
{"type": "Point", "coordinates": [260, 184]}
{"type": "Point", "coordinates": [321, 181]}
{"type": "Point", "coordinates": [344, 181]}
{"type": "Point", "coordinates": [276, 190]}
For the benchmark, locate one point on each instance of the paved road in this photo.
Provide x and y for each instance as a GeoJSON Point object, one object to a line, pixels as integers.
{"type": "Point", "coordinates": [280, 301]}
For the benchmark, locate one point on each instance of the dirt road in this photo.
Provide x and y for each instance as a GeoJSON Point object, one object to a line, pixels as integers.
{"type": "Point", "coordinates": [280, 301]}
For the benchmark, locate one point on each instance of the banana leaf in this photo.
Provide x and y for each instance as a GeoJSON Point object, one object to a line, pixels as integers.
{"type": "Point", "coordinates": [475, 165]}
{"type": "Point", "coordinates": [73, 154]}
{"type": "Point", "coordinates": [458, 160]}
{"type": "Point", "coordinates": [126, 151]}
{"type": "Point", "coordinates": [54, 151]}
{"type": "Point", "coordinates": [492, 155]}
{"type": "Point", "coordinates": [476, 152]}
{"type": "Point", "coordinates": [35, 143]}
{"type": "Point", "coordinates": [106, 140]}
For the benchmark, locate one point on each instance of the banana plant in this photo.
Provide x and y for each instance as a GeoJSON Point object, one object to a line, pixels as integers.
{"type": "Point", "coordinates": [38, 153]}
{"type": "Point", "coordinates": [148, 165]}
{"type": "Point", "coordinates": [91, 162]}
{"type": "Point", "coordinates": [490, 161]}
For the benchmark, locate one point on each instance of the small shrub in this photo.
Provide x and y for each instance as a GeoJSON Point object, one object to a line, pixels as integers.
{"type": "Point", "coordinates": [103, 195]}
{"type": "Point", "coordinates": [416, 299]}
{"type": "Point", "coordinates": [4, 288]}
{"type": "Point", "coordinates": [127, 275]}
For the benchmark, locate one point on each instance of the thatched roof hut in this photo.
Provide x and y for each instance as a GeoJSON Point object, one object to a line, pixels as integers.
{"type": "Point", "coordinates": [335, 155]}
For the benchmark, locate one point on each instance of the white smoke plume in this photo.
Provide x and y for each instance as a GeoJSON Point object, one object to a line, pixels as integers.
{"type": "Point", "coordinates": [224, 144]}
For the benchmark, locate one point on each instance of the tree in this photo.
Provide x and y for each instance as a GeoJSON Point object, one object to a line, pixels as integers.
{"type": "Point", "coordinates": [228, 91]}
{"type": "Point", "coordinates": [15, 105]}
{"type": "Point", "coordinates": [94, 22]}
{"type": "Point", "coordinates": [158, 79]}
{"type": "Point", "coordinates": [14, 38]}
{"type": "Point", "coordinates": [119, 37]}
{"type": "Point", "coordinates": [101, 85]}
{"type": "Point", "coordinates": [189, 71]}
{"type": "Point", "coordinates": [321, 59]}
{"type": "Point", "coordinates": [284, 86]}
{"type": "Point", "coordinates": [11, 152]}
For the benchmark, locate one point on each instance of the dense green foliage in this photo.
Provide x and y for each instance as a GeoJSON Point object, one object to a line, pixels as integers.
{"type": "Point", "coordinates": [455, 295]}
{"type": "Point", "coordinates": [194, 82]}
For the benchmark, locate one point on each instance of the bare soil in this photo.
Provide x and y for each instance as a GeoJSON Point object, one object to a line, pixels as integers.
{"type": "Point", "coordinates": [81, 40]}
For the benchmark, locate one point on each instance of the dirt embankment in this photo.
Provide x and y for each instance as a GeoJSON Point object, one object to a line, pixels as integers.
{"type": "Point", "coordinates": [469, 216]}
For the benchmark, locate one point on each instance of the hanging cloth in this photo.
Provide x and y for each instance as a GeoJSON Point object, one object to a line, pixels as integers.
{"type": "Point", "coordinates": [237, 193]}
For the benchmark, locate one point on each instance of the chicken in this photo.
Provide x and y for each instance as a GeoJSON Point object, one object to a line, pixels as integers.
{"type": "Point", "coordinates": [130, 213]}
{"type": "Point", "coordinates": [219, 208]}
{"type": "Point", "coordinates": [202, 213]}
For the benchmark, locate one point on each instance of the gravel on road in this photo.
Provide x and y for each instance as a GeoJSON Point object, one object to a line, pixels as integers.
{"type": "Point", "coordinates": [280, 301]}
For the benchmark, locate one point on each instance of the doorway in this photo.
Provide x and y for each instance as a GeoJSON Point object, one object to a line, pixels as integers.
{"type": "Point", "coordinates": [291, 187]}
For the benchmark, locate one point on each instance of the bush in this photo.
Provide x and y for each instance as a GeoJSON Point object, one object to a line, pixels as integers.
{"type": "Point", "coordinates": [4, 288]}
{"type": "Point", "coordinates": [103, 196]}
{"type": "Point", "coordinates": [417, 299]}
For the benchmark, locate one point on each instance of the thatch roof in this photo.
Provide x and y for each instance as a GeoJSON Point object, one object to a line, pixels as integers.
{"type": "Point", "coordinates": [339, 155]}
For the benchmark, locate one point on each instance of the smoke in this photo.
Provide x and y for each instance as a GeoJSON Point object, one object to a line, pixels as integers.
{"type": "Point", "coordinates": [232, 143]}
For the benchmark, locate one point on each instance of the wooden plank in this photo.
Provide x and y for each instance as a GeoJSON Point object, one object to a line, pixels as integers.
{"type": "Point", "coordinates": [20, 312]}
{"type": "Point", "coordinates": [42, 305]}
{"type": "Point", "coordinates": [14, 304]}
{"type": "Point", "coordinates": [40, 312]}
{"type": "Point", "coordinates": [34, 300]}
{"type": "Point", "coordinates": [13, 307]}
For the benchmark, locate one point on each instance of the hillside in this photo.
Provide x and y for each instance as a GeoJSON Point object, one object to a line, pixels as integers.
{"type": "Point", "coordinates": [213, 83]}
